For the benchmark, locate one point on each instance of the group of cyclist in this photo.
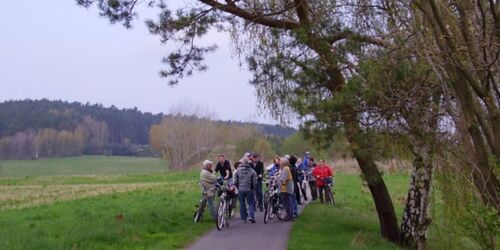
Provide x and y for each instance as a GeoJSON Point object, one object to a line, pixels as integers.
{"type": "Point", "coordinates": [246, 181]}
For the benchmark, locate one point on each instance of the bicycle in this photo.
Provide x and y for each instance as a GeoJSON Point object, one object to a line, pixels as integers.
{"type": "Point", "coordinates": [329, 190]}
{"type": "Point", "coordinates": [198, 215]}
{"type": "Point", "coordinates": [273, 203]}
{"type": "Point", "coordinates": [225, 205]}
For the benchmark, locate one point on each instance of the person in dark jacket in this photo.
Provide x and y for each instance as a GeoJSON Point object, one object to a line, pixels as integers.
{"type": "Point", "coordinates": [259, 170]}
{"type": "Point", "coordinates": [295, 176]}
{"type": "Point", "coordinates": [223, 167]}
{"type": "Point", "coordinates": [245, 180]}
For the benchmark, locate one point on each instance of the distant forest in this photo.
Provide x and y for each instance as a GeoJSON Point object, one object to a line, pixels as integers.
{"type": "Point", "coordinates": [45, 128]}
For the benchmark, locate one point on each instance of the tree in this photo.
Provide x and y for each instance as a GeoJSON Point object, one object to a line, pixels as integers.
{"type": "Point", "coordinates": [184, 140]}
{"type": "Point", "coordinates": [297, 51]}
{"type": "Point", "coordinates": [264, 148]}
{"type": "Point", "coordinates": [460, 39]}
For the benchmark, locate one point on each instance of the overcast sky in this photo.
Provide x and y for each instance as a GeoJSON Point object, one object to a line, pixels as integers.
{"type": "Point", "coordinates": [57, 50]}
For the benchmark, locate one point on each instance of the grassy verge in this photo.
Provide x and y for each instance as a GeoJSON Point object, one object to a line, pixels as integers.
{"type": "Point", "coordinates": [351, 224]}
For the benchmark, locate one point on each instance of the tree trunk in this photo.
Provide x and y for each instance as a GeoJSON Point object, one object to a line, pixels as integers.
{"type": "Point", "coordinates": [383, 203]}
{"type": "Point", "coordinates": [415, 217]}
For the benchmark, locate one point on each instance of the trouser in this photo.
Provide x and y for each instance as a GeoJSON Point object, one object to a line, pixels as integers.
{"type": "Point", "coordinates": [259, 194]}
{"type": "Point", "coordinates": [314, 192]}
{"type": "Point", "coordinates": [303, 190]}
{"type": "Point", "coordinates": [245, 197]}
{"type": "Point", "coordinates": [287, 200]}
{"type": "Point", "coordinates": [295, 206]}
{"type": "Point", "coordinates": [322, 193]}
{"type": "Point", "coordinates": [211, 206]}
{"type": "Point", "coordinates": [297, 192]}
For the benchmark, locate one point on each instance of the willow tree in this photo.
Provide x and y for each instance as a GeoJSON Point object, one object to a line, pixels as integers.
{"type": "Point", "coordinates": [301, 54]}
{"type": "Point", "coordinates": [461, 41]}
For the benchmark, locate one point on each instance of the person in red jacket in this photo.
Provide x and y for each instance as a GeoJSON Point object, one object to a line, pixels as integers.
{"type": "Point", "coordinates": [321, 172]}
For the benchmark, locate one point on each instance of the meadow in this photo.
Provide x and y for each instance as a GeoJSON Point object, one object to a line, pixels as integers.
{"type": "Point", "coordinates": [135, 203]}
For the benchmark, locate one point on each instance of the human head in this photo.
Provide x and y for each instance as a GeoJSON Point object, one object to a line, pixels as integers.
{"type": "Point", "coordinates": [292, 160]}
{"type": "Point", "coordinates": [247, 155]}
{"type": "Point", "coordinates": [207, 164]}
{"type": "Point", "coordinates": [277, 160]}
{"type": "Point", "coordinates": [237, 164]}
{"type": "Point", "coordinates": [245, 161]}
{"type": "Point", "coordinates": [221, 158]}
{"type": "Point", "coordinates": [321, 162]}
{"type": "Point", "coordinates": [255, 157]}
{"type": "Point", "coordinates": [283, 162]}
{"type": "Point", "coordinates": [311, 160]}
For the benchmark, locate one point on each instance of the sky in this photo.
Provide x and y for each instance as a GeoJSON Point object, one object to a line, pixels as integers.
{"type": "Point", "coordinates": [60, 51]}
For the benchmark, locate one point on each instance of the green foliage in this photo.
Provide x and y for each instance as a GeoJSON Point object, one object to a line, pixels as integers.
{"type": "Point", "coordinates": [264, 148]}
{"type": "Point", "coordinates": [299, 143]}
{"type": "Point", "coordinates": [461, 216]}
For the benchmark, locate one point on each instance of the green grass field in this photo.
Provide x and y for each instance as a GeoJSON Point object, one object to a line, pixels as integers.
{"type": "Point", "coordinates": [82, 165]}
{"type": "Point", "coordinates": [73, 203]}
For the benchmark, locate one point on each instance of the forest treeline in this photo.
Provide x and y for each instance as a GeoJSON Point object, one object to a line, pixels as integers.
{"type": "Point", "coordinates": [30, 129]}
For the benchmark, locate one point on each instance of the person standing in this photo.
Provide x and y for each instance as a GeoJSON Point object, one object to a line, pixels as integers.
{"type": "Point", "coordinates": [259, 170]}
{"type": "Point", "coordinates": [208, 180]}
{"type": "Point", "coordinates": [295, 174]}
{"type": "Point", "coordinates": [302, 167]}
{"type": "Point", "coordinates": [311, 165]}
{"type": "Point", "coordinates": [223, 167]}
{"type": "Point", "coordinates": [321, 172]}
{"type": "Point", "coordinates": [286, 180]}
{"type": "Point", "coordinates": [245, 181]}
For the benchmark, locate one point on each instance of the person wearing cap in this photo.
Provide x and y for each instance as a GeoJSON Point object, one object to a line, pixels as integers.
{"type": "Point", "coordinates": [245, 180]}
{"type": "Point", "coordinates": [208, 180]}
{"type": "Point", "coordinates": [259, 170]}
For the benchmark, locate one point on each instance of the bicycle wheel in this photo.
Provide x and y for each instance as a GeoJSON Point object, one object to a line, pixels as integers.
{"type": "Point", "coordinates": [330, 197]}
{"type": "Point", "coordinates": [219, 222]}
{"type": "Point", "coordinates": [282, 214]}
{"type": "Point", "coordinates": [267, 207]}
{"type": "Point", "coordinates": [198, 215]}
{"type": "Point", "coordinates": [227, 213]}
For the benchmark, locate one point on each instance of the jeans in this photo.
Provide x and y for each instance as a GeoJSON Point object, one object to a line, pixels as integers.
{"type": "Point", "coordinates": [314, 192]}
{"type": "Point", "coordinates": [246, 197]}
{"type": "Point", "coordinates": [211, 207]}
{"type": "Point", "coordinates": [287, 200]}
{"type": "Point", "coordinates": [259, 194]}
{"type": "Point", "coordinates": [295, 206]}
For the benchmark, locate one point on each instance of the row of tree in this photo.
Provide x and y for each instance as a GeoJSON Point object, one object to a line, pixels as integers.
{"type": "Point", "coordinates": [89, 137]}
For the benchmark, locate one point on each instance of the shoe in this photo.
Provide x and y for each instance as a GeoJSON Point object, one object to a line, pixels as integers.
{"type": "Point", "coordinates": [252, 220]}
{"type": "Point", "coordinates": [244, 221]}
